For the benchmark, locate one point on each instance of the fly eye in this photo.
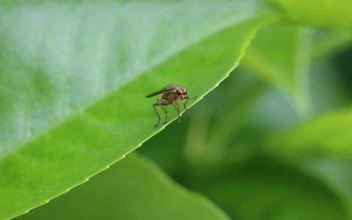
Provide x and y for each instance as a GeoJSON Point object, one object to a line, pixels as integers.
{"type": "Point", "coordinates": [179, 92]}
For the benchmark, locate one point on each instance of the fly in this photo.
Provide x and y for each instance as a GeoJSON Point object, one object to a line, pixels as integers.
{"type": "Point", "coordinates": [171, 94]}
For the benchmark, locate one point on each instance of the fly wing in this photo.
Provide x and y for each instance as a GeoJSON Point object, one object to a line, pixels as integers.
{"type": "Point", "coordinates": [169, 88]}
{"type": "Point", "coordinates": [155, 93]}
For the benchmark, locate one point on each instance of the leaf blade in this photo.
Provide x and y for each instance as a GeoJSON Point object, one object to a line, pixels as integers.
{"type": "Point", "coordinates": [89, 140]}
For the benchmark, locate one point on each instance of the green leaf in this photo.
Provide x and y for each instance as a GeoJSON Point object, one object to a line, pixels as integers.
{"type": "Point", "coordinates": [75, 75]}
{"type": "Point", "coordinates": [132, 189]}
{"type": "Point", "coordinates": [323, 13]}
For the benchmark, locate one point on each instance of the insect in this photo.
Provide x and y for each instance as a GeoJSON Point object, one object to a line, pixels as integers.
{"type": "Point", "coordinates": [171, 94]}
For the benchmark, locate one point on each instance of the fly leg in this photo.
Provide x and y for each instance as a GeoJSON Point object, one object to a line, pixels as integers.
{"type": "Point", "coordinates": [156, 112]}
{"type": "Point", "coordinates": [177, 106]}
{"type": "Point", "coordinates": [184, 104]}
{"type": "Point", "coordinates": [161, 103]}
